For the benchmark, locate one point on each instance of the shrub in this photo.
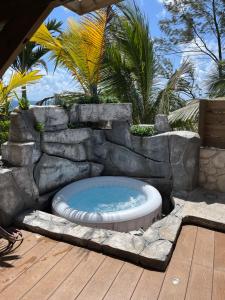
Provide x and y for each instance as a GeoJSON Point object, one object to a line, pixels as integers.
{"type": "Point", "coordinates": [4, 131]}
{"type": "Point", "coordinates": [40, 127]}
{"type": "Point", "coordinates": [67, 99]}
{"type": "Point", "coordinates": [24, 103]}
{"type": "Point", "coordinates": [142, 130]}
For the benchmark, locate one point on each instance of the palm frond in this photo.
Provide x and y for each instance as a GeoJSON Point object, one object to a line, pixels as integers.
{"type": "Point", "coordinates": [216, 82]}
{"type": "Point", "coordinates": [16, 80]}
{"type": "Point", "coordinates": [188, 113]}
{"type": "Point", "coordinates": [179, 82]}
{"type": "Point", "coordinates": [80, 48]}
{"type": "Point", "coordinates": [131, 68]}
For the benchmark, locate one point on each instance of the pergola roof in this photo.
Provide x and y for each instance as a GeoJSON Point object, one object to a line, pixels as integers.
{"type": "Point", "coordinates": [84, 6]}
{"type": "Point", "coordinates": [19, 19]}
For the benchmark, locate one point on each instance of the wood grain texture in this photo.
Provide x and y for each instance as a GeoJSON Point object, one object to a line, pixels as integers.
{"type": "Point", "coordinates": [47, 269]}
{"type": "Point", "coordinates": [212, 123]}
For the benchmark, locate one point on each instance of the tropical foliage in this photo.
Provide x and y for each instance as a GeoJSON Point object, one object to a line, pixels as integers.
{"type": "Point", "coordinates": [197, 28]}
{"type": "Point", "coordinates": [133, 73]}
{"type": "Point", "coordinates": [80, 49]}
{"type": "Point", "coordinates": [186, 117]}
{"type": "Point", "coordinates": [4, 130]}
{"type": "Point", "coordinates": [216, 82]}
{"type": "Point", "coordinates": [111, 54]}
{"type": "Point", "coordinates": [17, 80]}
{"type": "Point", "coordinates": [130, 62]}
{"type": "Point", "coordinates": [32, 54]}
{"type": "Point", "coordinates": [143, 130]}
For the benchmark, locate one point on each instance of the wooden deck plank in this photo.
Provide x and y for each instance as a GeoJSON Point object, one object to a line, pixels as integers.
{"type": "Point", "coordinates": [149, 285]}
{"type": "Point", "coordinates": [98, 286]}
{"type": "Point", "coordinates": [184, 248]}
{"type": "Point", "coordinates": [31, 276]}
{"type": "Point", "coordinates": [219, 259]}
{"type": "Point", "coordinates": [200, 283]}
{"type": "Point", "coordinates": [125, 283]}
{"type": "Point", "coordinates": [25, 262]}
{"type": "Point", "coordinates": [56, 275]}
{"type": "Point", "coordinates": [48, 269]}
{"type": "Point", "coordinates": [78, 279]}
{"type": "Point", "coordinates": [177, 274]}
{"type": "Point", "coordinates": [176, 281]}
{"type": "Point", "coordinates": [218, 285]}
{"type": "Point", "coordinates": [204, 248]}
{"type": "Point", "coordinates": [10, 260]}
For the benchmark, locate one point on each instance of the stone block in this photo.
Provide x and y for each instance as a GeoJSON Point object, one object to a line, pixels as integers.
{"type": "Point", "coordinates": [155, 147]}
{"type": "Point", "coordinates": [22, 127]}
{"type": "Point", "coordinates": [120, 161]}
{"type": "Point", "coordinates": [24, 180]}
{"type": "Point", "coordinates": [184, 158]}
{"type": "Point", "coordinates": [100, 112]}
{"type": "Point", "coordinates": [11, 201]}
{"type": "Point", "coordinates": [124, 245]}
{"type": "Point", "coordinates": [96, 169]}
{"type": "Point", "coordinates": [20, 154]}
{"type": "Point", "coordinates": [119, 134]}
{"type": "Point", "coordinates": [76, 152]}
{"type": "Point", "coordinates": [162, 124]}
{"type": "Point", "coordinates": [52, 172]}
{"type": "Point", "coordinates": [52, 117]}
{"type": "Point", "coordinates": [68, 136]}
{"type": "Point", "coordinates": [156, 254]}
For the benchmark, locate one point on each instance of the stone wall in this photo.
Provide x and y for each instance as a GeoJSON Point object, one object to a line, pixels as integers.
{"type": "Point", "coordinates": [212, 169]}
{"type": "Point", "coordinates": [72, 146]}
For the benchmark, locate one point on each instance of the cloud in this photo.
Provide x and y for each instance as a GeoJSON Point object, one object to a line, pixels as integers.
{"type": "Point", "coordinates": [203, 64]}
{"type": "Point", "coordinates": [50, 84]}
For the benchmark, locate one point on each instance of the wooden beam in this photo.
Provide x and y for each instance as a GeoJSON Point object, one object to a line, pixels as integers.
{"type": "Point", "coordinates": [19, 20]}
{"type": "Point", "coordinates": [84, 6]}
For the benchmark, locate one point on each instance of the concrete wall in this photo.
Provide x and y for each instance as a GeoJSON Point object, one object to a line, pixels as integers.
{"type": "Point", "coordinates": [212, 169]}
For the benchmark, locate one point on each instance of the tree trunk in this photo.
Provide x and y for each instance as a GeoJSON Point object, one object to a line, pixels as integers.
{"type": "Point", "coordinates": [219, 41]}
{"type": "Point", "coordinates": [24, 92]}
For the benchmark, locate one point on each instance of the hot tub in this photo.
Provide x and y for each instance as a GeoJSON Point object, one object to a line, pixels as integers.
{"type": "Point", "coordinates": [116, 203]}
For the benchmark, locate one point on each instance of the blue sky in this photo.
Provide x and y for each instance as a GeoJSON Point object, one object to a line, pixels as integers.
{"type": "Point", "coordinates": [61, 81]}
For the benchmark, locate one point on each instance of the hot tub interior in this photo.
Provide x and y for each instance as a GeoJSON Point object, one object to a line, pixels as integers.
{"type": "Point", "coordinates": [116, 203]}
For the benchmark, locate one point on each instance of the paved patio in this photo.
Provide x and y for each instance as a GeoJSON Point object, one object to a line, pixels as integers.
{"type": "Point", "coordinates": [42, 268]}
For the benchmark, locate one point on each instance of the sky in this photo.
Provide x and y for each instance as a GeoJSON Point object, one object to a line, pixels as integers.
{"type": "Point", "coordinates": [60, 80]}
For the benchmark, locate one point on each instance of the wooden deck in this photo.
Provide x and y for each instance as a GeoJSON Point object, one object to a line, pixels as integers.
{"type": "Point", "coordinates": [42, 268]}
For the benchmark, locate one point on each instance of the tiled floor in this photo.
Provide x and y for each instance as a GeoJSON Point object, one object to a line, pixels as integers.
{"type": "Point", "coordinates": [42, 268]}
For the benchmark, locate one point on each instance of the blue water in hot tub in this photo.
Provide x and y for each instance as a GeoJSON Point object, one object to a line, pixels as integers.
{"type": "Point", "coordinates": [106, 199]}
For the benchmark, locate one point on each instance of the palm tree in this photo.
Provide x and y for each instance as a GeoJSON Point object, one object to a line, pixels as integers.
{"type": "Point", "coordinates": [80, 49]}
{"type": "Point", "coordinates": [130, 63]}
{"type": "Point", "coordinates": [179, 83]}
{"type": "Point", "coordinates": [16, 80]}
{"type": "Point", "coordinates": [216, 82]}
{"type": "Point", "coordinates": [132, 68]}
{"type": "Point", "coordinates": [31, 55]}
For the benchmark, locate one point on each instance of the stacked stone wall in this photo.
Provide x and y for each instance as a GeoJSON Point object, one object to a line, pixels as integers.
{"type": "Point", "coordinates": [212, 169]}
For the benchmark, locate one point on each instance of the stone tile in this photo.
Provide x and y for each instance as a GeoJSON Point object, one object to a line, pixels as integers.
{"type": "Point", "coordinates": [156, 254]}
{"type": "Point", "coordinates": [124, 245]}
